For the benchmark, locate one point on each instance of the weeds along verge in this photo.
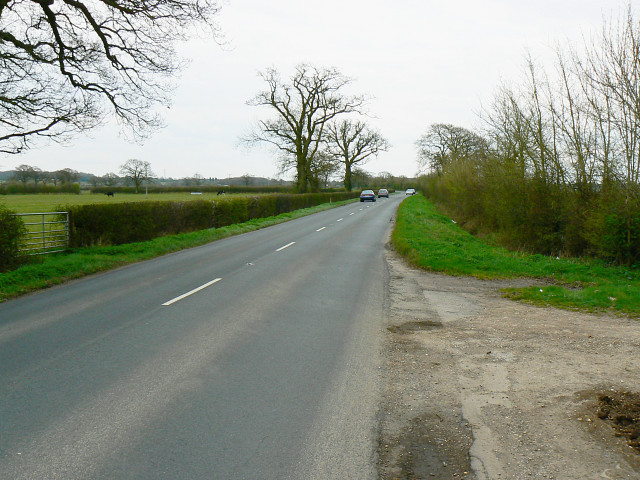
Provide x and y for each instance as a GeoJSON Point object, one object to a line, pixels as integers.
{"type": "Point", "coordinates": [433, 241]}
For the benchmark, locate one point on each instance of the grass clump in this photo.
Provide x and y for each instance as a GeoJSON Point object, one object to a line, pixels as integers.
{"type": "Point", "coordinates": [432, 241]}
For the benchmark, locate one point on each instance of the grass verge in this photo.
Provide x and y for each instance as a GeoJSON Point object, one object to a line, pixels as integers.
{"type": "Point", "coordinates": [434, 242]}
{"type": "Point", "coordinates": [56, 269]}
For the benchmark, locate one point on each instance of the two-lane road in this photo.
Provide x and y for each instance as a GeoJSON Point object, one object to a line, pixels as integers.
{"type": "Point", "coordinates": [252, 357]}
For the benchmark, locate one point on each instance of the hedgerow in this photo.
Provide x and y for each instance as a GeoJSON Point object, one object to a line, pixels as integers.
{"type": "Point", "coordinates": [119, 223]}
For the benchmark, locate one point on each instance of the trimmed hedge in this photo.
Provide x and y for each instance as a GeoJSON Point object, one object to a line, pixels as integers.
{"type": "Point", "coordinates": [12, 230]}
{"type": "Point", "coordinates": [118, 223]}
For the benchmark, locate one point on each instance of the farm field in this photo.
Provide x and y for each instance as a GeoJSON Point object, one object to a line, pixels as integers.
{"type": "Point", "coordinates": [49, 202]}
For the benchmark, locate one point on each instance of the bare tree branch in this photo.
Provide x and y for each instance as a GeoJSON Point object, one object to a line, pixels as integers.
{"type": "Point", "coordinates": [353, 143]}
{"type": "Point", "coordinates": [67, 64]}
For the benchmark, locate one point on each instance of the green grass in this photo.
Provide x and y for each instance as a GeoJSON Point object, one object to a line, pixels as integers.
{"type": "Point", "coordinates": [43, 202]}
{"type": "Point", "coordinates": [434, 242]}
{"type": "Point", "coordinates": [55, 269]}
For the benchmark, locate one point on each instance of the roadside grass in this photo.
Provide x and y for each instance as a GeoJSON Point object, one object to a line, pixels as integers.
{"type": "Point", "coordinates": [49, 202]}
{"type": "Point", "coordinates": [50, 270]}
{"type": "Point", "coordinates": [434, 242]}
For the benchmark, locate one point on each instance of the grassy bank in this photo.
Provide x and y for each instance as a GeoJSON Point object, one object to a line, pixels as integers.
{"type": "Point", "coordinates": [56, 269]}
{"type": "Point", "coordinates": [434, 242]}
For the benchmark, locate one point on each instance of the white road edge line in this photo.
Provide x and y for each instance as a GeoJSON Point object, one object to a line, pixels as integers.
{"type": "Point", "coordinates": [286, 246]}
{"type": "Point", "coordinates": [320, 229]}
{"type": "Point", "coordinates": [201, 287]}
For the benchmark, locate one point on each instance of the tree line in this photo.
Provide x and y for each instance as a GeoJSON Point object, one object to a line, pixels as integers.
{"type": "Point", "coordinates": [556, 167]}
{"type": "Point", "coordinates": [133, 171]}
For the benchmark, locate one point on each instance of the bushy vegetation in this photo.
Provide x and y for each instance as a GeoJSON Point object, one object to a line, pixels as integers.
{"type": "Point", "coordinates": [433, 241]}
{"type": "Point", "coordinates": [119, 223]}
{"type": "Point", "coordinates": [557, 169]}
{"type": "Point", "coordinates": [12, 231]}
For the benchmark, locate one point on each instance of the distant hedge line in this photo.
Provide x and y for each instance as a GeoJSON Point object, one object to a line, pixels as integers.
{"type": "Point", "coordinates": [18, 188]}
{"type": "Point", "coordinates": [118, 223]}
{"type": "Point", "coordinates": [194, 188]}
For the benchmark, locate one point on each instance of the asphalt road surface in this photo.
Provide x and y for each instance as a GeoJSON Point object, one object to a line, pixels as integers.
{"type": "Point", "coordinates": [253, 357]}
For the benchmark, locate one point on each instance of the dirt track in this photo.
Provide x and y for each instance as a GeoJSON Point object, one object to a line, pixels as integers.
{"type": "Point", "coordinates": [481, 387]}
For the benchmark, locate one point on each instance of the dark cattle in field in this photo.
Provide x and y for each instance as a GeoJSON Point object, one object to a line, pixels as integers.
{"type": "Point", "coordinates": [221, 192]}
{"type": "Point", "coordinates": [109, 194]}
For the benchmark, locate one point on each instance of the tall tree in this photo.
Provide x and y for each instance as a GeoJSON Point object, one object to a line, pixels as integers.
{"type": "Point", "coordinates": [137, 171]}
{"type": "Point", "coordinates": [353, 143]}
{"type": "Point", "coordinates": [65, 64]}
{"type": "Point", "coordinates": [302, 106]}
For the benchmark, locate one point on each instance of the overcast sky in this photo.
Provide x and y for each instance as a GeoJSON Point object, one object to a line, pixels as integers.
{"type": "Point", "coordinates": [423, 61]}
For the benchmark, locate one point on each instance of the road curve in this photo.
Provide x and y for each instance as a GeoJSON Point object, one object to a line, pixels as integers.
{"type": "Point", "coordinates": [254, 357]}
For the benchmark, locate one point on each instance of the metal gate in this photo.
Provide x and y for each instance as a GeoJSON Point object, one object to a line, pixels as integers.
{"type": "Point", "coordinates": [47, 232]}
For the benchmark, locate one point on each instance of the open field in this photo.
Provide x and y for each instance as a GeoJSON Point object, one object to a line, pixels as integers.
{"type": "Point", "coordinates": [43, 202]}
{"type": "Point", "coordinates": [434, 242]}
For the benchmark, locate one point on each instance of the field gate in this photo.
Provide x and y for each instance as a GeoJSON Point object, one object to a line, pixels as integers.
{"type": "Point", "coordinates": [47, 232]}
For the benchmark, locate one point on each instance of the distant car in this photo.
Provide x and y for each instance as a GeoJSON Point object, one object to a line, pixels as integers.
{"type": "Point", "coordinates": [367, 195]}
{"type": "Point", "coordinates": [383, 192]}
{"type": "Point", "coordinates": [410, 191]}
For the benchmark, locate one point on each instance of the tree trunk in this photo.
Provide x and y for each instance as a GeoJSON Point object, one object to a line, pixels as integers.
{"type": "Point", "coordinates": [347, 177]}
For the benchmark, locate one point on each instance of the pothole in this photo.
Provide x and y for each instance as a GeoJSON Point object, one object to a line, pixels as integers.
{"type": "Point", "coordinates": [410, 327]}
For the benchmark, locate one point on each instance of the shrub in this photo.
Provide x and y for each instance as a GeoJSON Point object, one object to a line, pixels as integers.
{"type": "Point", "coordinates": [11, 232]}
{"type": "Point", "coordinates": [613, 229]}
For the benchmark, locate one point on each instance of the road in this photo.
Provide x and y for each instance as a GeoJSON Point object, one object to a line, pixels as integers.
{"type": "Point", "coordinates": [254, 357]}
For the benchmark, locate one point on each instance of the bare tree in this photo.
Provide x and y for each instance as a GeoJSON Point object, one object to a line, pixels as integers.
{"type": "Point", "coordinates": [247, 179]}
{"type": "Point", "coordinates": [67, 175]}
{"type": "Point", "coordinates": [94, 180]}
{"type": "Point", "coordinates": [65, 64]}
{"type": "Point", "coordinates": [137, 171]}
{"type": "Point", "coordinates": [303, 107]}
{"type": "Point", "coordinates": [353, 143]}
{"type": "Point", "coordinates": [444, 144]}
{"type": "Point", "coordinates": [110, 179]}
{"type": "Point", "coordinates": [322, 168]}
{"type": "Point", "coordinates": [360, 178]}
{"type": "Point", "coordinates": [23, 173]}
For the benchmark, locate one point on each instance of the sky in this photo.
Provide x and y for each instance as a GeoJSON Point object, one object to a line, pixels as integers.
{"type": "Point", "coordinates": [421, 61]}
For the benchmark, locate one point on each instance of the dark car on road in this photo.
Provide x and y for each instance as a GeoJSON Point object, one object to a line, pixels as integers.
{"type": "Point", "coordinates": [383, 192]}
{"type": "Point", "coordinates": [367, 195]}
